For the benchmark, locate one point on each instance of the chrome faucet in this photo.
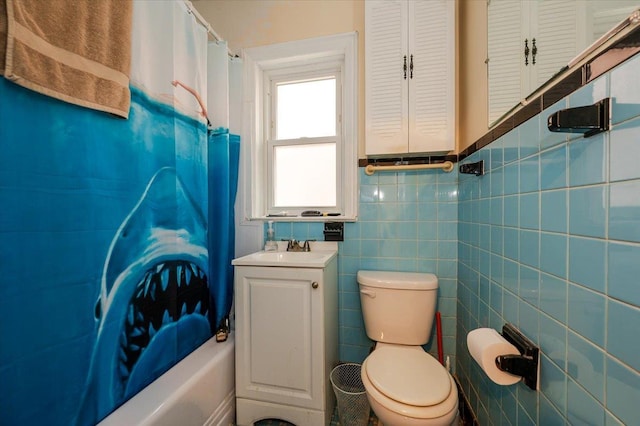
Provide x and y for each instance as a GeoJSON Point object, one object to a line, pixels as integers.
{"type": "Point", "coordinates": [294, 245]}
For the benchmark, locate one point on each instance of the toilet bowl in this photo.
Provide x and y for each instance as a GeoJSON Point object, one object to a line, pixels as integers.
{"type": "Point", "coordinates": [407, 386]}
{"type": "Point", "coordinates": [404, 384]}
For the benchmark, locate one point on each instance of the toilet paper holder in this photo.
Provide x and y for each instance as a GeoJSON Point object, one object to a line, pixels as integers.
{"type": "Point", "coordinates": [525, 364]}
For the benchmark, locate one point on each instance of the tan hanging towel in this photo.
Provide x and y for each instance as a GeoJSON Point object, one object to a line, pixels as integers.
{"type": "Point", "coordinates": [78, 51]}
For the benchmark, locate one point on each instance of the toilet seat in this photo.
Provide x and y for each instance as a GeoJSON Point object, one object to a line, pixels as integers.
{"type": "Point", "coordinates": [409, 381]}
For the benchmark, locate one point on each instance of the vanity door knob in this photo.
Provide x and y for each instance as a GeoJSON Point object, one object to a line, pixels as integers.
{"type": "Point", "coordinates": [314, 284]}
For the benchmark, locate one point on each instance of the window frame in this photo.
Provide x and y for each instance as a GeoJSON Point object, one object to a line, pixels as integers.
{"type": "Point", "coordinates": [261, 64]}
{"type": "Point", "coordinates": [301, 74]}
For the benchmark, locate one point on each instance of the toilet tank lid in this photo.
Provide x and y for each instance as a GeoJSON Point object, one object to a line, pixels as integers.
{"type": "Point", "coordinates": [398, 280]}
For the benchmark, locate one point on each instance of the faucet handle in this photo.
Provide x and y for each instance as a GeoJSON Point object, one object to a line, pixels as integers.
{"type": "Point", "coordinates": [291, 244]}
{"type": "Point", "coordinates": [307, 247]}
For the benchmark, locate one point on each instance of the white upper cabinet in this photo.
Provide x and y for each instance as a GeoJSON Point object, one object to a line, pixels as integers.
{"type": "Point", "coordinates": [529, 42]}
{"type": "Point", "coordinates": [409, 76]}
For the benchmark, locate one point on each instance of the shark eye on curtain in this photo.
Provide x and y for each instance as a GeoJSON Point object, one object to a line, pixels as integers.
{"type": "Point", "coordinates": [97, 311]}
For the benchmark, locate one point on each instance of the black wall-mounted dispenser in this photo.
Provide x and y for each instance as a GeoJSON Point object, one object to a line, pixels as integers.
{"type": "Point", "coordinates": [333, 231]}
{"type": "Point", "coordinates": [476, 168]}
{"type": "Point", "coordinates": [590, 120]}
{"type": "Point", "coordinates": [527, 363]}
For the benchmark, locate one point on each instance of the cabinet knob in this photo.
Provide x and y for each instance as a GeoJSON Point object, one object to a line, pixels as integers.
{"type": "Point", "coordinates": [314, 284]}
{"type": "Point", "coordinates": [526, 52]}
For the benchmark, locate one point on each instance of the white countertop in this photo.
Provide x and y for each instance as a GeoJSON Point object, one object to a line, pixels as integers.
{"type": "Point", "coordinates": [320, 255]}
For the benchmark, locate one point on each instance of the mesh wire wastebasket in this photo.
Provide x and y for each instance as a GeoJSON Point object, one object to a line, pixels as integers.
{"type": "Point", "coordinates": [353, 406]}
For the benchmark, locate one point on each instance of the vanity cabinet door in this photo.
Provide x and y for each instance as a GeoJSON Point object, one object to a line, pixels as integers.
{"type": "Point", "coordinates": [280, 336]}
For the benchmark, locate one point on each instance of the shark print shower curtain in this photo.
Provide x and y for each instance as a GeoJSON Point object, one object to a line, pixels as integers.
{"type": "Point", "coordinates": [105, 238]}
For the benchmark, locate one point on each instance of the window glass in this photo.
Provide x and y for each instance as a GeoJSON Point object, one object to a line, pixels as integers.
{"type": "Point", "coordinates": [306, 109]}
{"type": "Point", "coordinates": [305, 175]}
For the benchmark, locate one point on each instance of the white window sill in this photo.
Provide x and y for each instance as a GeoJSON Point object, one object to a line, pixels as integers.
{"type": "Point", "coordinates": [305, 218]}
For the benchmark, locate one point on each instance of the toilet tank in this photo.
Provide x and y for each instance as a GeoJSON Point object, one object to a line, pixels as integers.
{"type": "Point", "coordinates": [398, 307]}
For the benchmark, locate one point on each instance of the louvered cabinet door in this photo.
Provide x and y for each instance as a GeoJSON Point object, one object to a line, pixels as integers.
{"type": "Point", "coordinates": [385, 84]}
{"type": "Point", "coordinates": [559, 30]}
{"type": "Point", "coordinates": [431, 76]}
{"type": "Point", "coordinates": [508, 20]}
{"type": "Point", "coordinates": [554, 31]}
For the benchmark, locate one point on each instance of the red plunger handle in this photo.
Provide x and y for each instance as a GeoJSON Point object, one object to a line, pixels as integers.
{"type": "Point", "coordinates": [439, 335]}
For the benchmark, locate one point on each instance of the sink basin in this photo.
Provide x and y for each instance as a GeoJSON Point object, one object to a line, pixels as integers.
{"type": "Point", "coordinates": [291, 259]}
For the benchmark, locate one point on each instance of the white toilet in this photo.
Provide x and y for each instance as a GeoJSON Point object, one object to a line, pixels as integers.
{"type": "Point", "coordinates": [405, 385]}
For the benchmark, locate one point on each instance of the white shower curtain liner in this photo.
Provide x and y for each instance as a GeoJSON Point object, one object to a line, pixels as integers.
{"type": "Point", "coordinates": [206, 24]}
{"type": "Point", "coordinates": [169, 44]}
{"type": "Point", "coordinates": [218, 84]}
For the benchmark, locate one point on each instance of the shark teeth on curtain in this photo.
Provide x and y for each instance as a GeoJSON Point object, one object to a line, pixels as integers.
{"type": "Point", "coordinates": [168, 292]}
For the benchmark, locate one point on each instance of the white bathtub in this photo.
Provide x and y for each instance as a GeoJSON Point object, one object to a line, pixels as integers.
{"type": "Point", "coordinates": [199, 390]}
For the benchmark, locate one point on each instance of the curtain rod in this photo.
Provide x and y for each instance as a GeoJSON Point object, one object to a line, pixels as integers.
{"type": "Point", "coordinates": [447, 166]}
{"type": "Point", "coordinates": [192, 10]}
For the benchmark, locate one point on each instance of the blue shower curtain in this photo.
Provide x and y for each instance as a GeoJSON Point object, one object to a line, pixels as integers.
{"type": "Point", "coordinates": [224, 101]}
{"type": "Point", "coordinates": [224, 153]}
{"type": "Point", "coordinates": [94, 206]}
{"type": "Point", "coordinates": [105, 251]}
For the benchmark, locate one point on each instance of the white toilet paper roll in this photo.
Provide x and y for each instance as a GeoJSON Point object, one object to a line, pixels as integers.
{"type": "Point", "coordinates": [485, 344]}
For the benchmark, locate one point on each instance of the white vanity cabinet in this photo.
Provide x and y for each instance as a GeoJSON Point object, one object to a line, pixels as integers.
{"type": "Point", "coordinates": [409, 76]}
{"type": "Point", "coordinates": [286, 342]}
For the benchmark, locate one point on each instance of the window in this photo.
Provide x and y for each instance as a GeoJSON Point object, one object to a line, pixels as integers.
{"type": "Point", "coordinates": [303, 141]}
